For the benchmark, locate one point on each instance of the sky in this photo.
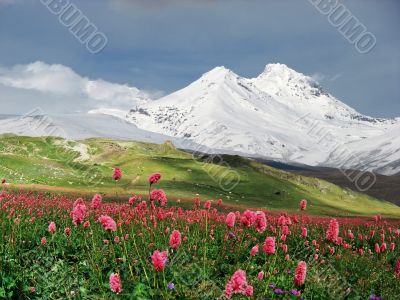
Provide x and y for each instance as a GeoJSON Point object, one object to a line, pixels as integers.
{"type": "Point", "coordinates": [160, 46]}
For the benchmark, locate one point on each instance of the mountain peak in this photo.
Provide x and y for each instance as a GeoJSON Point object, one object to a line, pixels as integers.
{"type": "Point", "coordinates": [282, 71]}
{"type": "Point", "coordinates": [220, 69]}
{"type": "Point", "coordinates": [218, 73]}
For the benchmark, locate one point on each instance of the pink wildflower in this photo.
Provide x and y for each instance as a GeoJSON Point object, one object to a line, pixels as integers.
{"type": "Point", "coordinates": [52, 227]}
{"type": "Point", "coordinates": [238, 285]}
{"type": "Point", "coordinates": [304, 232]}
{"type": "Point", "coordinates": [269, 245]}
{"type": "Point", "coordinates": [300, 273]}
{"type": "Point", "coordinates": [159, 260]}
{"type": "Point", "coordinates": [303, 204]}
{"type": "Point", "coordinates": [333, 231]}
{"type": "Point", "coordinates": [260, 221]}
{"type": "Point", "coordinates": [247, 218]}
{"type": "Point", "coordinates": [377, 248]}
{"type": "Point", "coordinates": [160, 196]}
{"type": "Point", "coordinates": [154, 178]}
{"type": "Point", "coordinates": [254, 250]}
{"type": "Point", "coordinates": [117, 175]}
{"type": "Point", "coordinates": [230, 220]}
{"type": "Point", "coordinates": [397, 267]}
{"type": "Point", "coordinates": [260, 275]}
{"type": "Point", "coordinates": [78, 212]}
{"type": "Point", "coordinates": [207, 205]}
{"type": "Point", "coordinates": [96, 201]}
{"type": "Point", "coordinates": [67, 231]}
{"type": "Point", "coordinates": [115, 283]}
{"type": "Point", "coordinates": [175, 239]}
{"type": "Point", "coordinates": [108, 223]}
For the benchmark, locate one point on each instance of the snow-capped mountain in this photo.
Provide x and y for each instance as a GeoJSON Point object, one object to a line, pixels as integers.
{"type": "Point", "coordinates": [281, 115]}
{"type": "Point", "coordinates": [380, 153]}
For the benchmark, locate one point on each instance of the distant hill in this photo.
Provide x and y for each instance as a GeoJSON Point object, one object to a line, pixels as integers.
{"type": "Point", "coordinates": [86, 167]}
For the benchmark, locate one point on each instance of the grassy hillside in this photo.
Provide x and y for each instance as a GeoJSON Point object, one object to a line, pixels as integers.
{"type": "Point", "coordinates": [86, 167]}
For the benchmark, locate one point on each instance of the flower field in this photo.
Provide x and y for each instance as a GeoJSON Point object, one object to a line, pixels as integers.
{"type": "Point", "coordinates": [53, 247]}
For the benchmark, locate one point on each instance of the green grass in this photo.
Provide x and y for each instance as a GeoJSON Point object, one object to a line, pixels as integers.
{"type": "Point", "coordinates": [52, 162]}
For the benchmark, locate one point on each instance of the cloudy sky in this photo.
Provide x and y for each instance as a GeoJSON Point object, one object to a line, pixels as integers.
{"type": "Point", "coordinates": [160, 46]}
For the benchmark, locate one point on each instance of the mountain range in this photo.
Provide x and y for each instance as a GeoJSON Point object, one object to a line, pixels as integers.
{"type": "Point", "coordinates": [280, 115]}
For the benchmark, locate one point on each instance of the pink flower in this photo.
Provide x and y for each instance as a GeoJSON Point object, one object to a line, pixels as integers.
{"type": "Point", "coordinates": [304, 232]}
{"type": "Point", "coordinates": [160, 196]}
{"type": "Point", "coordinates": [67, 231]}
{"type": "Point", "coordinates": [254, 250]}
{"type": "Point", "coordinates": [397, 267]}
{"type": "Point", "coordinates": [285, 230]}
{"type": "Point", "coordinates": [300, 273]}
{"type": "Point", "coordinates": [282, 220]}
{"type": "Point", "coordinates": [248, 291]}
{"type": "Point", "coordinates": [108, 223]}
{"type": "Point", "coordinates": [175, 239]}
{"type": "Point", "coordinates": [283, 238]}
{"type": "Point", "coordinates": [333, 231]}
{"type": "Point", "coordinates": [132, 200]}
{"type": "Point", "coordinates": [96, 201]}
{"type": "Point", "coordinates": [260, 221]}
{"type": "Point", "coordinates": [159, 260]}
{"type": "Point", "coordinates": [207, 205]}
{"type": "Point", "coordinates": [43, 241]}
{"type": "Point", "coordinates": [238, 285]}
{"type": "Point", "coordinates": [154, 178]}
{"type": "Point", "coordinates": [230, 220]}
{"type": "Point", "coordinates": [269, 245]}
{"type": "Point", "coordinates": [115, 283]}
{"type": "Point", "coordinates": [78, 212]}
{"type": "Point", "coordinates": [260, 275]}
{"type": "Point", "coordinates": [377, 248]}
{"type": "Point", "coordinates": [303, 204]}
{"type": "Point", "coordinates": [377, 218]}
{"type": "Point", "coordinates": [52, 227]}
{"type": "Point", "coordinates": [117, 175]}
{"type": "Point", "coordinates": [247, 218]}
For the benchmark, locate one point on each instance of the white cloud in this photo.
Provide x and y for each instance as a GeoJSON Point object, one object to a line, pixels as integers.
{"type": "Point", "coordinates": [318, 77]}
{"type": "Point", "coordinates": [59, 80]}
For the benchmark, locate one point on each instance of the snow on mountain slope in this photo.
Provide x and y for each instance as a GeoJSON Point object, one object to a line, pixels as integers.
{"type": "Point", "coordinates": [281, 114]}
{"type": "Point", "coordinates": [380, 153]}
{"type": "Point", "coordinates": [78, 126]}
